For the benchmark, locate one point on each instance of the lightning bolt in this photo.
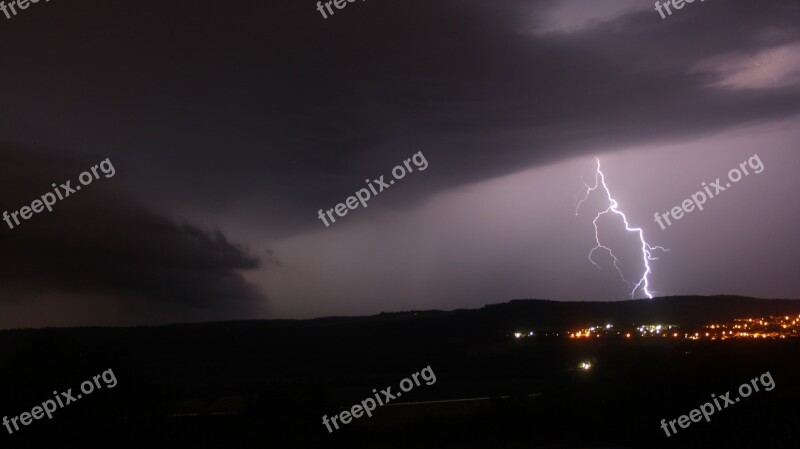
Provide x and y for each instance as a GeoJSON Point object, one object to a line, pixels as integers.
{"type": "Point", "coordinates": [647, 249]}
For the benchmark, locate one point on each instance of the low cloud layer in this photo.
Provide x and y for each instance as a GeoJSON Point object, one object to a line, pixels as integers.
{"type": "Point", "coordinates": [99, 242]}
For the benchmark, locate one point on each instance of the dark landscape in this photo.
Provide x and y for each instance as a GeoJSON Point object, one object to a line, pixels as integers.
{"type": "Point", "coordinates": [268, 383]}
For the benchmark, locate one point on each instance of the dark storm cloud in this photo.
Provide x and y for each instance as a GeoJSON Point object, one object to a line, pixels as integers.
{"type": "Point", "coordinates": [281, 112]}
{"type": "Point", "coordinates": [98, 241]}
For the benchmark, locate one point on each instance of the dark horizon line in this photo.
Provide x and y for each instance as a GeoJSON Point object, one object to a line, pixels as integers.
{"type": "Point", "coordinates": [403, 312]}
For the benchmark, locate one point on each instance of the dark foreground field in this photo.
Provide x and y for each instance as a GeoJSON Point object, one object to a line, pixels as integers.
{"type": "Point", "coordinates": [268, 384]}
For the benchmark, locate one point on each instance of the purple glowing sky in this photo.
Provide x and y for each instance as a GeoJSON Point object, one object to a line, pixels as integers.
{"type": "Point", "coordinates": [229, 130]}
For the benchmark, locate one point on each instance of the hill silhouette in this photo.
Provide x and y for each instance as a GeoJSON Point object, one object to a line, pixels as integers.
{"type": "Point", "coordinates": [249, 383]}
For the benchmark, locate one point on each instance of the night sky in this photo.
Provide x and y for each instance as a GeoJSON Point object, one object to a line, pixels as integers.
{"type": "Point", "coordinates": [229, 125]}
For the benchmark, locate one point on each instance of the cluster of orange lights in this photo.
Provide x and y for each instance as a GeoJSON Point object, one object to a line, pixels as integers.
{"type": "Point", "coordinates": [771, 327]}
{"type": "Point", "coordinates": [647, 330]}
{"type": "Point", "coordinates": [594, 332]}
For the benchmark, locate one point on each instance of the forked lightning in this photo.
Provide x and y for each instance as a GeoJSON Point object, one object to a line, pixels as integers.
{"type": "Point", "coordinates": [647, 249]}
